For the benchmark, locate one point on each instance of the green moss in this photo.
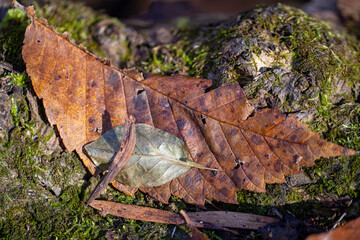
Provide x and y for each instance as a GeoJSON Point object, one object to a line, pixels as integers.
{"type": "Point", "coordinates": [12, 30]}
{"type": "Point", "coordinates": [168, 59]}
{"type": "Point", "coordinates": [74, 18]}
{"type": "Point", "coordinates": [341, 175]}
{"type": "Point", "coordinates": [19, 79]}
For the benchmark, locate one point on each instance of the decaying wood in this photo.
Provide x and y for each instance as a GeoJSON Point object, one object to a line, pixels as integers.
{"type": "Point", "coordinates": [232, 219]}
{"type": "Point", "coordinates": [126, 147]}
{"type": "Point", "coordinates": [208, 219]}
{"type": "Point", "coordinates": [196, 234]}
{"type": "Point", "coordinates": [192, 224]}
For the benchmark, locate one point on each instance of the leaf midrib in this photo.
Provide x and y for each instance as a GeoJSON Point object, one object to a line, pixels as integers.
{"type": "Point", "coordinates": [141, 82]}
{"type": "Point", "coordinates": [203, 113]}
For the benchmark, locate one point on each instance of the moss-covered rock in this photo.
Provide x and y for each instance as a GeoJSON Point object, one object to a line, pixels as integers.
{"type": "Point", "coordinates": [278, 54]}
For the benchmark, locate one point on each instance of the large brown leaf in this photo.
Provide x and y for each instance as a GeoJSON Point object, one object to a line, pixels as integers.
{"type": "Point", "coordinates": [85, 97]}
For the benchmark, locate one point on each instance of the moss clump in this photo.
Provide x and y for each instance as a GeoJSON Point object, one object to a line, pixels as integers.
{"type": "Point", "coordinates": [19, 79]}
{"type": "Point", "coordinates": [169, 59]}
{"type": "Point", "coordinates": [341, 176]}
{"type": "Point", "coordinates": [12, 30]}
{"type": "Point", "coordinates": [74, 18]}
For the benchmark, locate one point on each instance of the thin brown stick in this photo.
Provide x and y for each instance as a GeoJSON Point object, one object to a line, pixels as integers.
{"type": "Point", "coordinates": [188, 220]}
{"type": "Point", "coordinates": [200, 220]}
{"type": "Point", "coordinates": [137, 212]}
{"type": "Point", "coordinates": [196, 234]}
{"type": "Point", "coordinates": [202, 224]}
{"type": "Point", "coordinates": [122, 156]}
{"type": "Point", "coordinates": [18, 5]}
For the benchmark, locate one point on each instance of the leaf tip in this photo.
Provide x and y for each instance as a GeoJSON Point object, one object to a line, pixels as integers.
{"type": "Point", "coordinates": [350, 152]}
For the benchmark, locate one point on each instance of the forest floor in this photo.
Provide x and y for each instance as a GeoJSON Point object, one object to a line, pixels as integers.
{"type": "Point", "coordinates": [43, 188]}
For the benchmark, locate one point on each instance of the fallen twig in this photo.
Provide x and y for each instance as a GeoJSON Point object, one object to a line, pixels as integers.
{"type": "Point", "coordinates": [218, 220]}
{"type": "Point", "coordinates": [137, 212]}
{"type": "Point", "coordinates": [122, 156]}
{"type": "Point", "coordinates": [338, 221]}
{"type": "Point", "coordinates": [196, 234]}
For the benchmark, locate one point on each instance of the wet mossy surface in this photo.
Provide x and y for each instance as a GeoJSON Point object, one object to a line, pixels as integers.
{"type": "Point", "coordinates": [304, 61]}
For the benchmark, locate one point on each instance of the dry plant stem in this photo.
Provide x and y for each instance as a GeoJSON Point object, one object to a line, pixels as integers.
{"type": "Point", "coordinates": [338, 221]}
{"type": "Point", "coordinates": [199, 219]}
{"type": "Point", "coordinates": [137, 212]}
{"type": "Point", "coordinates": [161, 216]}
{"type": "Point", "coordinates": [122, 156]}
{"type": "Point", "coordinates": [196, 234]}
{"type": "Point", "coordinates": [19, 6]}
{"type": "Point", "coordinates": [232, 219]}
{"type": "Point", "coordinates": [188, 220]}
{"type": "Point", "coordinates": [201, 224]}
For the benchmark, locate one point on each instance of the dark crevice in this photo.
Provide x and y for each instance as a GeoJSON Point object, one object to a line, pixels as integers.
{"type": "Point", "coordinates": [139, 91]}
{"type": "Point", "coordinates": [203, 120]}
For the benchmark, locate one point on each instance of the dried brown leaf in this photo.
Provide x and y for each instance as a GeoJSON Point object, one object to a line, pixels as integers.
{"type": "Point", "coordinates": [85, 98]}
